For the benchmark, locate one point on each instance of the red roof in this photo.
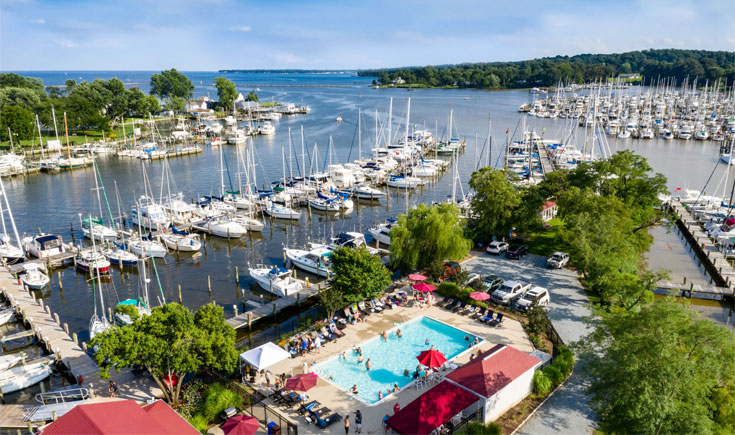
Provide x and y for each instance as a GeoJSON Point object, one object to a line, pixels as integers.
{"type": "Point", "coordinates": [120, 417]}
{"type": "Point", "coordinates": [548, 205]}
{"type": "Point", "coordinates": [491, 371]}
{"type": "Point", "coordinates": [432, 409]}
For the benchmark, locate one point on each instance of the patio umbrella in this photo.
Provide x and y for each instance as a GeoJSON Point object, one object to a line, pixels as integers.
{"type": "Point", "coordinates": [241, 425]}
{"type": "Point", "coordinates": [431, 358]}
{"type": "Point", "coordinates": [423, 287]}
{"type": "Point", "coordinates": [303, 382]}
{"type": "Point", "coordinates": [416, 277]}
{"type": "Point", "coordinates": [479, 296]}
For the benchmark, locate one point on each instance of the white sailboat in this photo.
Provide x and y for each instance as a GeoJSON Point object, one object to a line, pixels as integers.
{"type": "Point", "coordinates": [381, 233]}
{"type": "Point", "coordinates": [277, 280]}
{"type": "Point", "coordinates": [10, 252]}
{"type": "Point", "coordinates": [23, 376]}
{"type": "Point", "coordinates": [281, 211]}
{"type": "Point", "coordinates": [181, 241]}
{"type": "Point", "coordinates": [7, 315]}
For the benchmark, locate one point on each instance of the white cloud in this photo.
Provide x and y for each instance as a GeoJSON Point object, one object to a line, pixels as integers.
{"type": "Point", "coordinates": [240, 28]}
{"type": "Point", "coordinates": [39, 21]}
{"type": "Point", "coordinates": [68, 43]}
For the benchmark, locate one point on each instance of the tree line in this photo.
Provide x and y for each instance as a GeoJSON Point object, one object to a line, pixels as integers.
{"type": "Point", "coordinates": [584, 68]}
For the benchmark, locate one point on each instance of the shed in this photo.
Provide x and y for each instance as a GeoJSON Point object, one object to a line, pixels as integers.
{"type": "Point", "coordinates": [548, 211]}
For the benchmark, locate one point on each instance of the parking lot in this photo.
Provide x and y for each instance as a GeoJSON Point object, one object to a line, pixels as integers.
{"type": "Point", "coordinates": [568, 410]}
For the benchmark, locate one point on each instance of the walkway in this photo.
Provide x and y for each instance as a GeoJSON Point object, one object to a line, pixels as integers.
{"type": "Point", "coordinates": [568, 410]}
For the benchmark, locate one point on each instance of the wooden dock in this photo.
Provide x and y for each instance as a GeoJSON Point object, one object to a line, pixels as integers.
{"type": "Point", "coordinates": [543, 157]}
{"type": "Point", "coordinates": [250, 317]}
{"type": "Point", "coordinates": [55, 336]}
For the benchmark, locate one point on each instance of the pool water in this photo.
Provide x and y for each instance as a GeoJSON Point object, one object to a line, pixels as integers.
{"type": "Point", "coordinates": [390, 358]}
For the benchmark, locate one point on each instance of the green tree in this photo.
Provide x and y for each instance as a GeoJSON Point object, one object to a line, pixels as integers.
{"type": "Point", "coordinates": [494, 203]}
{"type": "Point", "coordinates": [176, 104]}
{"type": "Point", "coordinates": [332, 300]}
{"type": "Point", "coordinates": [428, 236]}
{"type": "Point", "coordinates": [171, 342]}
{"type": "Point", "coordinates": [655, 371]}
{"type": "Point", "coordinates": [170, 84]}
{"type": "Point", "coordinates": [226, 92]}
{"type": "Point", "coordinates": [12, 80]}
{"type": "Point", "coordinates": [19, 120]}
{"type": "Point", "coordinates": [358, 275]}
{"type": "Point", "coordinates": [151, 105]}
{"type": "Point", "coordinates": [252, 96]}
{"type": "Point", "coordinates": [23, 97]}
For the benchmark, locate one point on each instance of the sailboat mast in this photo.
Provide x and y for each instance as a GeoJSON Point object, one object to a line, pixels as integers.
{"type": "Point", "coordinates": [390, 122]}
{"type": "Point", "coordinates": [66, 131]}
{"type": "Point", "coordinates": [359, 134]}
{"type": "Point", "coordinates": [10, 215]}
{"type": "Point", "coordinates": [489, 142]}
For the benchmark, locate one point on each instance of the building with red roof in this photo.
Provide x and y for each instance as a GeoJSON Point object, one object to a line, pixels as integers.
{"type": "Point", "coordinates": [120, 417]}
{"type": "Point", "coordinates": [548, 211]}
{"type": "Point", "coordinates": [502, 376]}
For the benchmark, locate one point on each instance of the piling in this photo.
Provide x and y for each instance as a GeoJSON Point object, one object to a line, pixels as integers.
{"type": "Point", "coordinates": [75, 339]}
{"type": "Point", "coordinates": [209, 287]}
{"type": "Point", "coordinates": [234, 308]}
{"type": "Point", "coordinates": [61, 284]}
{"type": "Point", "coordinates": [237, 276]}
{"type": "Point", "coordinates": [66, 328]}
{"type": "Point", "coordinates": [181, 300]}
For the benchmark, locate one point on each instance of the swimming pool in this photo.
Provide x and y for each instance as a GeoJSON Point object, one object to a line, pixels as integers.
{"type": "Point", "coordinates": [390, 358]}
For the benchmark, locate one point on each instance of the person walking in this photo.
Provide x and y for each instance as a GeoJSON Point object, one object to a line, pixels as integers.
{"type": "Point", "coordinates": [358, 421]}
{"type": "Point", "coordinates": [112, 389]}
{"type": "Point", "coordinates": [347, 424]}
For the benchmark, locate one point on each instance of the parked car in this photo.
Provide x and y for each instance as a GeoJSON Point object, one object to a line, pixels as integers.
{"type": "Point", "coordinates": [538, 294]}
{"type": "Point", "coordinates": [492, 283]}
{"type": "Point", "coordinates": [516, 251]}
{"type": "Point", "coordinates": [557, 260]}
{"type": "Point", "coordinates": [510, 291]}
{"type": "Point", "coordinates": [449, 269]}
{"type": "Point", "coordinates": [472, 279]}
{"type": "Point", "coordinates": [497, 248]}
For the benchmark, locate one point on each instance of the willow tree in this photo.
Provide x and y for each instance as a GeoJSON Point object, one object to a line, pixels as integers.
{"type": "Point", "coordinates": [169, 343]}
{"type": "Point", "coordinates": [428, 236]}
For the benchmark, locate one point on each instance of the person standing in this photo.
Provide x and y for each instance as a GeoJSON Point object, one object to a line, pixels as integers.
{"type": "Point", "coordinates": [347, 424]}
{"type": "Point", "coordinates": [358, 421]}
{"type": "Point", "coordinates": [112, 389]}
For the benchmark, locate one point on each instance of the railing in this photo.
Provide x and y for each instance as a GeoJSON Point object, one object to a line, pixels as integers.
{"type": "Point", "coordinates": [475, 416]}
{"type": "Point", "coordinates": [257, 408]}
{"type": "Point", "coordinates": [71, 393]}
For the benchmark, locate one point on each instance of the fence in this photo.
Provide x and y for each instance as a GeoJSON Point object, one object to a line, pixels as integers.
{"type": "Point", "coordinates": [256, 408]}
{"type": "Point", "coordinates": [475, 416]}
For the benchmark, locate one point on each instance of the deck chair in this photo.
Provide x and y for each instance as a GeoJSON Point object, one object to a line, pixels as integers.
{"type": "Point", "coordinates": [326, 334]}
{"type": "Point", "coordinates": [325, 423]}
{"type": "Point", "coordinates": [498, 320]}
{"type": "Point", "coordinates": [460, 307]}
{"type": "Point", "coordinates": [335, 330]}
{"type": "Point", "coordinates": [479, 314]}
{"type": "Point", "coordinates": [305, 408]}
{"type": "Point", "coordinates": [361, 306]}
{"type": "Point", "coordinates": [488, 317]}
{"type": "Point", "coordinates": [348, 315]}
{"type": "Point", "coordinates": [470, 310]}
{"type": "Point", "coordinates": [378, 303]}
{"type": "Point", "coordinates": [452, 302]}
{"type": "Point", "coordinates": [374, 307]}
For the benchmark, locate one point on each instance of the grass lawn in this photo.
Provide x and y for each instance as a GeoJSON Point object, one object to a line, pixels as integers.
{"type": "Point", "coordinates": [546, 241]}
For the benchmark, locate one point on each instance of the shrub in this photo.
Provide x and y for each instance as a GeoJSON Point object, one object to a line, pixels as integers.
{"type": "Point", "coordinates": [130, 310]}
{"type": "Point", "coordinates": [554, 374]}
{"type": "Point", "coordinates": [564, 361]}
{"type": "Point", "coordinates": [199, 422]}
{"type": "Point", "coordinates": [449, 289]}
{"type": "Point", "coordinates": [541, 383]}
{"type": "Point", "coordinates": [477, 428]}
{"type": "Point", "coordinates": [217, 398]}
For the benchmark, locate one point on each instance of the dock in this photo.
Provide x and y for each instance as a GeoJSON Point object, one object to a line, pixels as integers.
{"type": "Point", "coordinates": [543, 157]}
{"type": "Point", "coordinates": [67, 349]}
{"type": "Point", "coordinates": [265, 310]}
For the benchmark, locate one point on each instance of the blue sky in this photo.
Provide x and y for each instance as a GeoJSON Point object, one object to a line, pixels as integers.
{"type": "Point", "coordinates": [218, 34]}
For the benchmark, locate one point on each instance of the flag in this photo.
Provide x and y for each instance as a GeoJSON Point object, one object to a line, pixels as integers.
{"type": "Point", "coordinates": [507, 131]}
{"type": "Point", "coordinates": [678, 188]}
{"type": "Point", "coordinates": [543, 129]}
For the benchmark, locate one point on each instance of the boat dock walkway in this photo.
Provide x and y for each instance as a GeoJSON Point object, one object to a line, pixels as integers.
{"type": "Point", "coordinates": [265, 310]}
{"type": "Point", "coordinates": [67, 349]}
{"type": "Point", "coordinates": [543, 157]}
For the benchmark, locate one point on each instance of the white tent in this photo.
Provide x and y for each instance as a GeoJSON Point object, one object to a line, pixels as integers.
{"type": "Point", "coordinates": [264, 356]}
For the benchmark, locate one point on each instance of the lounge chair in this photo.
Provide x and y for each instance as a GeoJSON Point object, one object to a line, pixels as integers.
{"type": "Point", "coordinates": [379, 303]}
{"type": "Point", "coordinates": [498, 320]}
{"type": "Point", "coordinates": [375, 308]}
{"type": "Point", "coordinates": [460, 307]}
{"type": "Point", "coordinates": [326, 334]}
{"type": "Point", "coordinates": [335, 330]}
{"type": "Point", "coordinates": [365, 310]}
{"type": "Point", "coordinates": [479, 314]}
{"type": "Point", "coordinates": [348, 315]}
{"type": "Point", "coordinates": [452, 302]}
{"type": "Point", "coordinates": [387, 303]}
{"type": "Point", "coordinates": [305, 408]}
{"type": "Point", "coordinates": [488, 317]}
{"type": "Point", "coordinates": [325, 423]}
{"type": "Point", "coordinates": [470, 310]}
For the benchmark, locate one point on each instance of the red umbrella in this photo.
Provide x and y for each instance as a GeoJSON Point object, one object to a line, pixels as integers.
{"type": "Point", "coordinates": [423, 287]}
{"type": "Point", "coordinates": [479, 296]}
{"type": "Point", "coordinates": [431, 358]}
{"type": "Point", "coordinates": [416, 277]}
{"type": "Point", "coordinates": [241, 425]}
{"type": "Point", "coordinates": [303, 382]}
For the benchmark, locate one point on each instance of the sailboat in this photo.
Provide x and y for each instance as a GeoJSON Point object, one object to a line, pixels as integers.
{"type": "Point", "coordinates": [98, 324]}
{"type": "Point", "coordinates": [70, 162]}
{"type": "Point", "coordinates": [181, 241]}
{"type": "Point", "coordinates": [93, 261]}
{"type": "Point", "coordinates": [95, 227]}
{"type": "Point", "coordinates": [141, 304]}
{"type": "Point", "coordinates": [10, 252]}
{"type": "Point", "coordinates": [277, 280]}
{"type": "Point", "coordinates": [23, 376]}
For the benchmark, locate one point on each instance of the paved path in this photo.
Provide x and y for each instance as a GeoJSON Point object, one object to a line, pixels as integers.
{"type": "Point", "coordinates": [568, 410]}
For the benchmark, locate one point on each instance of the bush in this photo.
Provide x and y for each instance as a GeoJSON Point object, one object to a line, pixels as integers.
{"type": "Point", "coordinates": [449, 289]}
{"type": "Point", "coordinates": [199, 422]}
{"type": "Point", "coordinates": [554, 374]}
{"type": "Point", "coordinates": [477, 428]}
{"type": "Point", "coordinates": [217, 398]}
{"type": "Point", "coordinates": [541, 383]}
{"type": "Point", "coordinates": [564, 361]}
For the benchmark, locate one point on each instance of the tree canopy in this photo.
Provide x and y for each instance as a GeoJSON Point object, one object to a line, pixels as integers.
{"type": "Point", "coordinates": [226, 92]}
{"type": "Point", "coordinates": [170, 343]}
{"type": "Point", "coordinates": [170, 84]}
{"type": "Point", "coordinates": [662, 370]}
{"type": "Point", "coordinates": [19, 120]}
{"type": "Point", "coordinates": [428, 236]}
{"type": "Point", "coordinates": [357, 274]}
{"type": "Point", "coordinates": [252, 96]}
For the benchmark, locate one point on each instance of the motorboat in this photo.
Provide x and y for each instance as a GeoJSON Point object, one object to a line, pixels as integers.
{"type": "Point", "coordinates": [381, 233]}
{"type": "Point", "coordinates": [250, 223]}
{"type": "Point", "coordinates": [147, 248]}
{"type": "Point", "coordinates": [221, 226]}
{"type": "Point", "coordinates": [7, 315]}
{"type": "Point", "coordinates": [93, 261]}
{"type": "Point", "coordinates": [365, 191]}
{"type": "Point", "coordinates": [23, 376]}
{"type": "Point", "coordinates": [277, 280]}
{"type": "Point", "coordinates": [8, 361]}
{"type": "Point", "coordinates": [350, 239]}
{"type": "Point", "coordinates": [324, 204]}
{"type": "Point", "coordinates": [33, 276]}
{"type": "Point", "coordinates": [10, 253]}
{"type": "Point", "coordinates": [149, 214]}
{"type": "Point", "coordinates": [124, 319]}
{"type": "Point", "coordinates": [181, 241]}
{"type": "Point", "coordinates": [119, 256]}
{"type": "Point", "coordinates": [44, 245]}
{"type": "Point", "coordinates": [281, 211]}
{"type": "Point", "coordinates": [315, 259]}
{"type": "Point", "coordinates": [267, 129]}
{"type": "Point", "coordinates": [179, 211]}
{"type": "Point", "coordinates": [97, 228]}
{"type": "Point", "coordinates": [403, 182]}
{"type": "Point", "coordinates": [624, 134]}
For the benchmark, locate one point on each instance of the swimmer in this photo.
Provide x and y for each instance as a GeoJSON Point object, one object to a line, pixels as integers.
{"type": "Point", "coordinates": [395, 388]}
{"type": "Point", "coordinates": [406, 373]}
{"type": "Point", "coordinates": [367, 364]}
{"type": "Point", "coordinates": [343, 355]}
{"type": "Point", "coordinates": [380, 395]}
{"type": "Point", "coordinates": [354, 389]}
{"type": "Point", "coordinates": [359, 351]}
{"type": "Point", "coordinates": [399, 333]}
{"type": "Point", "coordinates": [466, 338]}
{"type": "Point", "coordinates": [359, 359]}
{"type": "Point", "coordinates": [384, 335]}
{"type": "Point", "coordinates": [426, 342]}
{"type": "Point", "coordinates": [331, 377]}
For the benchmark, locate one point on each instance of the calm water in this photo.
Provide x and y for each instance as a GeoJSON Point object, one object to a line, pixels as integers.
{"type": "Point", "coordinates": [387, 365]}
{"type": "Point", "coordinates": [51, 201]}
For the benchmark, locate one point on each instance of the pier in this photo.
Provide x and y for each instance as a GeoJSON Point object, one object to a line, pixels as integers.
{"type": "Point", "coordinates": [249, 317]}
{"type": "Point", "coordinates": [543, 157]}
{"type": "Point", "coordinates": [66, 350]}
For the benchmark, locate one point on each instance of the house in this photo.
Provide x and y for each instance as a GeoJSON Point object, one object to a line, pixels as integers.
{"type": "Point", "coordinates": [548, 211]}
{"type": "Point", "coordinates": [120, 417]}
{"type": "Point", "coordinates": [501, 377]}
{"type": "Point", "coordinates": [398, 81]}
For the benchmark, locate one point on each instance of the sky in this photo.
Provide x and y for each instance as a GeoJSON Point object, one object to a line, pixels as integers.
{"type": "Point", "coordinates": [206, 35]}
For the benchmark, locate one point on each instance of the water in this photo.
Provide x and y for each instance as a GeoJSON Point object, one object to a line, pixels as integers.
{"type": "Point", "coordinates": [387, 365]}
{"type": "Point", "coordinates": [52, 201]}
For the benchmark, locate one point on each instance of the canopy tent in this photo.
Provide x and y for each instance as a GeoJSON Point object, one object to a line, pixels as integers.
{"type": "Point", "coordinates": [432, 409]}
{"type": "Point", "coordinates": [264, 356]}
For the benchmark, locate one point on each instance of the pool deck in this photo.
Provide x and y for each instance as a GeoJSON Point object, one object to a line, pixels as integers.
{"type": "Point", "coordinates": [510, 333]}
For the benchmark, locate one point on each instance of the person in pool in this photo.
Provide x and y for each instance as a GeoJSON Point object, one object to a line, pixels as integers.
{"type": "Point", "coordinates": [384, 335]}
{"type": "Point", "coordinates": [354, 389]}
{"type": "Point", "coordinates": [380, 395]}
{"type": "Point", "coordinates": [395, 388]}
{"type": "Point", "coordinates": [367, 364]}
{"type": "Point", "coordinates": [466, 338]}
{"type": "Point", "coordinates": [406, 373]}
{"type": "Point", "coordinates": [427, 341]}
{"type": "Point", "coordinates": [399, 333]}
{"type": "Point", "coordinates": [359, 359]}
